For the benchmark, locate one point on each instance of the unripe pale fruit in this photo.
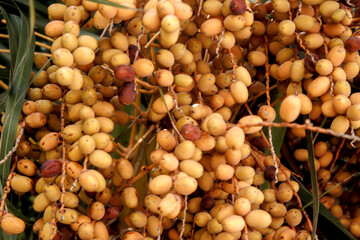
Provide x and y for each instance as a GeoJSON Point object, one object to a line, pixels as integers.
{"type": "Point", "coordinates": [293, 217]}
{"type": "Point", "coordinates": [185, 150]}
{"type": "Point", "coordinates": [286, 27]}
{"type": "Point", "coordinates": [297, 71]}
{"type": "Point", "coordinates": [211, 27]}
{"type": "Point", "coordinates": [100, 159]}
{"type": "Point", "coordinates": [169, 162]}
{"type": "Point", "coordinates": [183, 80]}
{"type": "Point", "coordinates": [160, 184]}
{"type": "Point", "coordinates": [353, 113]}
{"type": "Point", "coordinates": [64, 76]}
{"type": "Point", "coordinates": [26, 167]}
{"type": "Point", "coordinates": [160, 106]}
{"type": "Point", "coordinates": [267, 113]}
{"type": "Point", "coordinates": [138, 219]}
{"type": "Point", "coordinates": [66, 216]}
{"type": "Point", "coordinates": [83, 55]}
{"type": "Point", "coordinates": [242, 206]}
{"type": "Point", "coordinates": [258, 219]}
{"type": "Point", "coordinates": [143, 67]}
{"type": "Point", "coordinates": [324, 67]}
{"type": "Point", "coordinates": [340, 124]}
{"type": "Point", "coordinates": [235, 137]}
{"type": "Point", "coordinates": [21, 184]}
{"type": "Point", "coordinates": [12, 225]}
{"type": "Point", "coordinates": [52, 192]}
{"type": "Point", "coordinates": [69, 41]}
{"type": "Point", "coordinates": [86, 231]}
{"type": "Point", "coordinates": [233, 224]}
{"type": "Point", "coordinates": [224, 172]}
{"type": "Point", "coordinates": [54, 28]}
{"type": "Point", "coordinates": [192, 168]}
{"type": "Point", "coordinates": [257, 58]}
{"type": "Point", "coordinates": [216, 126]}
{"type": "Point", "coordinates": [125, 168]}
{"type": "Point", "coordinates": [290, 108]}
{"type": "Point", "coordinates": [304, 22]}
{"type": "Point", "coordinates": [185, 185]}
{"type": "Point", "coordinates": [86, 144]}
{"type": "Point", "coordinates": [168, 204]}
{"type": "Point", "coordinates": [130, 197]}
{"type": "Point", "coordinates": [239, 92]}
{"type": "Point", "coordinates": [336, 55]}
{"type": "Point", "coordinates": [89, 181]}
{"type": "Point", "coordinates": [170, 23]}
{"type": "Point", "coordinates": [251, 119]}
{"type": "Point", "coordinates": [63, 57]}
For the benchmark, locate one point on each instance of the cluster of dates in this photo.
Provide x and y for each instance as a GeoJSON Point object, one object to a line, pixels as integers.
{"type": "Point", "coordinates": [209, 58]}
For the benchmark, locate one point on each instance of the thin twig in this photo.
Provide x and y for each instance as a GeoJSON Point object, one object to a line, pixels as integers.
{"type": "Point", "coordinates": [4, 85]}
{"type": "Point", "coordinates": [337, 154]}
{"type": "Point", "coordinates": [184, 217]}
{"type": "Point", "coordinates": [144, 171]}
{"type": "Point", "coordinates": [147, 85]}
{"type": "Point", "coordinates": [7, 188]}
{"type": "Point", "coordinates": [63, 157]}
{"type": "Point", "coordinates": [347, 163]}
{"type": "Point", "coordinates": [152, 39]}
{"type": "Point", "coordinates": [8, 51]}
{"type": "Point", "coordinates": [304, 126]}
{"type": "Point", "coordinates": [43, 36]}
{"type": "Point", "coordinates": [36, 42]}
{"type": "Point", "coordinates": [152, 127]}
{"type": "Point", "coordinates": [21, 132]}
{"type": "Point", "coordinates": [261, 93]}
{"type": "Point", "coordinates": [135, 125]}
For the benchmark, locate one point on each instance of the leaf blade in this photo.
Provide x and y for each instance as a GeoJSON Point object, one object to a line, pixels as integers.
{"type": "Point", "coordinates": [314, 182]}
{"type": "Point", "coordinates": [106, 2]}
{"type": "Point", "coordinates": [328, 222]}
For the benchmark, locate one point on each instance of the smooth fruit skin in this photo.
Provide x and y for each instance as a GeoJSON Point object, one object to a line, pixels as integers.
{"type": "Point", "coordinates": [290, 108]}
{"type": "Point", "coordinates": [12, 225]}
{"type": "Point", "coordinates": [238, 7]}
{"type": "Point", "coordinates": [258, 219]}
{"type": "Point", "coordinates": [127, 93]}
{"type": "Point", "coordinates": [124, 73]}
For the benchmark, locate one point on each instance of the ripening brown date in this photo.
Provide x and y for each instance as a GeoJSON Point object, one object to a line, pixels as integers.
{"type": "Point", "coordinates": [190, 132]}
{"type": "Point", "coordinates": [133, 50]}
{"type": "Point", "coordinates": [269, 173]}
{"type": "Point", "coordinates": [127, 93]}
{"type": "Point", "coordinates": [124, 73]}
{"type": "Point", "coordinates": [238, 6]}
{"type": "Point", "coordinates": [310, 62]}
{"type": "Point", "coordinates": [50, 168]}
{"type": "Point", "coordinates": [353, 44]}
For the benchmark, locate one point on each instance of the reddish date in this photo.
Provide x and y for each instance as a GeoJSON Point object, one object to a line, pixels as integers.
{"type": "Point", "coordinates": [310, 62]}
{"type": "Point", "coordinates": [353, 44]}
{"type": "Point", "coordinates": [190, 132]}
{"type": "Point", "coordinates": [124, 73]}
{"type": "Point", "coordinates": [127, 93]}
{"type": "Point", "coordinates": [50, 168]}
{"type": "Point", "coordinates": [207, 202]}
{"type": "Point", "coordinates": [111, 213]}
{"type": "Point", "coordinates": [132, 53]}
{"type": "Point", "coordinates": [269, 173]}
{"type": "Point", "coordinates": [238, 6]}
